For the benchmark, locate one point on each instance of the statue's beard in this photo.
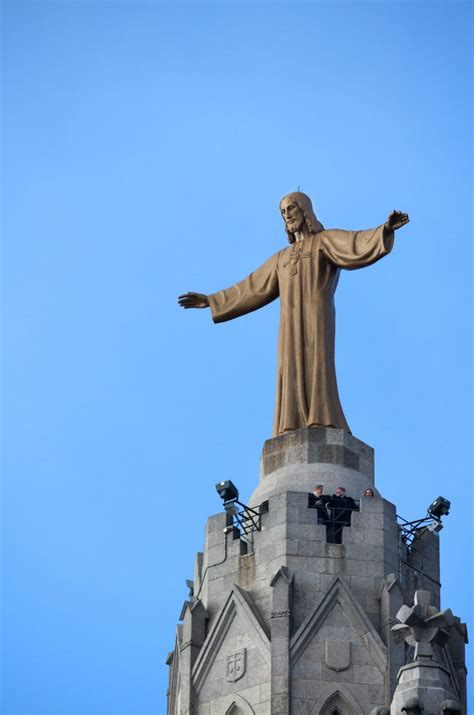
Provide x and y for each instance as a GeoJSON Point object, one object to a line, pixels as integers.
{"type": "Point", "coordinates": [295, 227]}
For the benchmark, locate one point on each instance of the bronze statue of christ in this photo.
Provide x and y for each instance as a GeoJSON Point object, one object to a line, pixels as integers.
{"type": "Point", "coordinates": [305, 277]}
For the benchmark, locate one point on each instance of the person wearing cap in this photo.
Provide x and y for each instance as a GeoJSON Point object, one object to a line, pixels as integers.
{"type": "Point", "coordinates": [318, 500]}
{"type": "Point", "coordinates": [341, 508]}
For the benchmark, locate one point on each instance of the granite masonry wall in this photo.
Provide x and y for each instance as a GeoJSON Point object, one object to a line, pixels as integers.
{"type": "Point", "coordinates": [290, 623]}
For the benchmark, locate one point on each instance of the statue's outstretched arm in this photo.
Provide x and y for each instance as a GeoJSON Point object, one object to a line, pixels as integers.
{"type": "Point", "coordinates": [193, 300]}
{"type": "Point", "coordinates": [253, 292]}
{"type": "Point", "coordinates": [357, 249]}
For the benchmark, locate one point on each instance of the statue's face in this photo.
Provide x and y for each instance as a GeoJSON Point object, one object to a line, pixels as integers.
{"type": "Point", "coordinates": [292, 215]}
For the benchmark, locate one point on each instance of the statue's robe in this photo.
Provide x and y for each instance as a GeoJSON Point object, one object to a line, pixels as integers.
{"type": "Point", "coordinates": [305, 276]}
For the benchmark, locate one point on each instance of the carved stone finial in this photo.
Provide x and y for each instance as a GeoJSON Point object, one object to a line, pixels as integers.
{"type": "Point", "coordinates": [283, 573]}
{"type": "Point", "coordinates": [422, 625]}
{"type": "Point", "coordinates": [413, 707]}
{"type": "Point", "coordinates": [451, 707]}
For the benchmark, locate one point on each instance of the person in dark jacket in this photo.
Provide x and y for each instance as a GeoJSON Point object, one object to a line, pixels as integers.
{"type": "Point", "coordinates": [340, 507]}
{"type": "Point", "coordinates": [318, 500]}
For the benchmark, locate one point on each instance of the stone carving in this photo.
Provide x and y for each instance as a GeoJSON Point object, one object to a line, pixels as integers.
{"type": "Point", "coordinates": [236, 666]}
{"type": "Point", "coordinates": [280, 614]}
{"type": "Point", "coordinates": [422, 625]}
{"type": "Point", "coordinates": [412, 707]}
{"type": "Point", "coordinates": [451, 707]}
{"type": "Point", "coordinates": [339, 594]}
{"type": "Point", "coordinates": [304, 277]}
{"type": "Point", "coordinates": [239, 609]}
{"type": "Point", "coordinates": [424, 685]}
{"type": "Point", "coordinates": [337, 655]}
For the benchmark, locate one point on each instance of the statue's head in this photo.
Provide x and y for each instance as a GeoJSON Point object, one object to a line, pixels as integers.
{"type": "Point", "coordinates": [297, 212]}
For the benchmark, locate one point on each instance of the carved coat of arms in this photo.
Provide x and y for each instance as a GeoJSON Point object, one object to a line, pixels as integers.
{"type": "Point", "coordinates": [236, 665]}
{"type": "Point", "coordinates": [337, 655]}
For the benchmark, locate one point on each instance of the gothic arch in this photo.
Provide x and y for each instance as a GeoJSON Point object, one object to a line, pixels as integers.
{"type": "Point", "coordinates": [336, 705]}
{"type": "Point", "coordinates": [339, 702]}
{"type": "Point", "coordinates": [235, 705]}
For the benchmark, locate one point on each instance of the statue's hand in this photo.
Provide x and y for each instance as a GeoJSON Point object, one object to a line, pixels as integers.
{"type": "Point", "coordinates": [193, 300]}
{"type": "Point", "coordinates": [396, 220]}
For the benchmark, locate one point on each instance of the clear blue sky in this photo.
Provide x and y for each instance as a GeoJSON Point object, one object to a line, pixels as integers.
{"type": "Point", "coordinates": [146, 147]}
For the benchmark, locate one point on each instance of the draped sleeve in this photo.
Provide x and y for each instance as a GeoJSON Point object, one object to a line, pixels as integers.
{"type": "Point", "coordinates": [356, 249]}
{"type": "Point", "coordinates": [255, 291]}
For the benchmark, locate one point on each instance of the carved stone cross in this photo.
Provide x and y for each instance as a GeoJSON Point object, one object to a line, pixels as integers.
{"type": "Point", "coordinates": [422, 625]}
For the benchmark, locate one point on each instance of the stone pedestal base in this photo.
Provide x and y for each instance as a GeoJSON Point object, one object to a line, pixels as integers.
{"type": "Point", "coordinates": [299, 460]}
{"type": "Point", "coordinates": [426, 684]}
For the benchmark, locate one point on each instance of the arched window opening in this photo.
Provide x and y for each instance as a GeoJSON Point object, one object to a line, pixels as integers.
{"type": "Point", "coordinates": [234, 705]}
{"type": "Point", "coordinates": [336, 705]}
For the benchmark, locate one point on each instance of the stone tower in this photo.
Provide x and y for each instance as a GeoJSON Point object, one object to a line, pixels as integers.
{"type": "Point", "coordinates": [283, 621]}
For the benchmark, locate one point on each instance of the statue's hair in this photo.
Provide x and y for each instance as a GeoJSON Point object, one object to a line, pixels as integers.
{"type": "Point", "coordinates": [304, 203]}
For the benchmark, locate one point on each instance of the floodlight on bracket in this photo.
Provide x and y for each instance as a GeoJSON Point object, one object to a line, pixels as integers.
{"type": "Point", "coordinates": [243, 516]}
{"type": "Point", "coordinates": [413, 530]}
